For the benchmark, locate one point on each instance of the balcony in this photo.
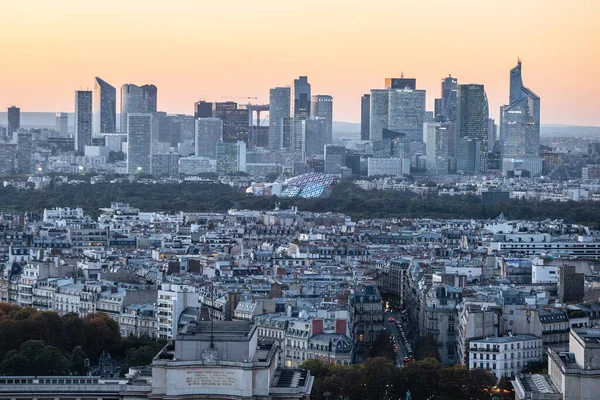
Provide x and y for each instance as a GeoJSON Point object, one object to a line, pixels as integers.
{"type": "Point", "coordinates": [486, 350]}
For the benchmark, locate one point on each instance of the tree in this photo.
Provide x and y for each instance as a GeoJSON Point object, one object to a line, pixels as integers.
{"type": "Point", "coordinates": [77, 363]}
{"type": "Point", "coordinates": [383, 347]}
{"type": "Point", "coordinates": [35, 358]}
{"type": "Point", "coordinates": [377, 376]}
{"type": "Point", "coordinates": [480, 380]}
{"type": "Point", "coordinates": [426, 347]}
{"type": "Point", "coordinates": [423, 378]}
{"type": "Point", "coordinates": [317, 368]}
{"type": "Point", "coordinates": [453, 381]}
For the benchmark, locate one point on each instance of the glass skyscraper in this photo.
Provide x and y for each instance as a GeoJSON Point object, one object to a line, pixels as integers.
{"type": "Point", "coordinates": [520, 121]}
{"type": "Point", "coordinates": [472, 113]}
{"type": "Point", "coordinates": [83, 120]}
{"type": "Point", "coordinates": [365, 114]}
{"type": "Point", "coordinates": [139, 140]}
{"type": "Point", "coordinates": [105, 107]}
{"type": "Point", "coordinates": [136, 99]}
{"type": "Point", "coordinates": [14, 120]}
{"type": "Point", "coordinates": [322, 108]}
{"type": "Point", "coordinates": [279, 110]}
{"type": "Point", "coordinates": [300, 98]}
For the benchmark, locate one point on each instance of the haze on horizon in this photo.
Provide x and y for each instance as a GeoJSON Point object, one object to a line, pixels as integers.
{"type": "Point", "coordinates": [192, 50]}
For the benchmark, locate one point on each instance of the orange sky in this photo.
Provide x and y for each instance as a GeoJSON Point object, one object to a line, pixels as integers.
{"type": "Point", "coordinates": [194, 49]}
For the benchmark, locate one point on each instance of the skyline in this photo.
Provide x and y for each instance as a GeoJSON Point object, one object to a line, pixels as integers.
{"type": "Point", "coordinates": [211, 51]}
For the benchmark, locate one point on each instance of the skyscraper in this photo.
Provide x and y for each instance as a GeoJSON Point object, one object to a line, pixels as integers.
{"type": "Point", "coordinates": [379, 113]}
{"type": "Point", "coordinates": [440, 136]}
{"type": "Point", "coordinates": [203, 109]}
{"type": "Point", "coordinates": [520, 121]}
{"type": "Point", "coordinates": [299, 110]}
{"type": "Point", "coordinates": [401, 83]}
{"type": "Point", "coordinates": [472, 119]}
{"type": "Point", "coordinates": [209, 131]}
{"type": "Point", "coordinates": [322, 107]}
{"type": "Point", "coordinates": [236, 121]}
{"type": "Point", "coordinates": [62, 123]}
{"type": "Point", "coordinates": [83, 120]}
{"type": "Point", "coordinates": [136, 99]}
{"type": "Point", "coordinates": [315, 136]}
{"type": "Point", "coordinates": [14, 120]}
{"type": "Point", "coordinates": [231, 157]}
{"type": "Point", "coordinates": [445, 107]}
{"type": "Point", "coordinates": [105, 107]}
{"type": "Point", "coordinates": [139, 139]}
{"type": "Point", "coordinates": [365, 113]}
{"type": "Point", "coordinates": [406, 112]}
{"type": "Point", "coordinates": [279, 108]}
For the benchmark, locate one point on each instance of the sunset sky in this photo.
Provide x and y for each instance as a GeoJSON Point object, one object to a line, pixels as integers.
{"type": "Point", "coordinates": [202, 49]}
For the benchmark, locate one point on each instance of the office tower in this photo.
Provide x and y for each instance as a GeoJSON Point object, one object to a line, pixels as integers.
{"type": "Point", "coordinates": [300, 98]}
{"type": "Point", "coordinates": [365, 113]}
{"type": "Point", "coordinates": [14, 120]}
{"type": "Point", "coordinates": [520, 121]}
{"type": "Point", "coordinates": [468, 155]}
{"type": "Point", "coordinates": [322, 107]}
{"type": "Point", "coordinates": [472, 118]}
{"type": "Point", "coordinates": [379, 113]}
{"type": "Point", "coordinates": [236, 121]}
{"type": "Point", "coordinates": [24, 152]}
{"type": "Point", "coordinates": [136, 99]}
{"type": "Point", "coordinates": [445, 107]}
{"type": "Point", "coordinates": [315, 133]}
{"type": "Point", "coordinates": [231, 157]}
{"type": "Point", "coordinates": [406, 112]}
{"type": "Point", "coordinates": [164, 164]}
{"type": "Point", "coordinates": [62, 123]}
{"type": "Point", "coordinates": [401, 83]}
{"type": "Point", "coordinates": [335, 159]}
{"type": "Point", "coordinates": [83, 120]}
{"type": "Point", "coordinates": [105, 107]}
{"type": "Point", "coordinates": [139, 139]}
{"type": "Point", "coordinates": [279, 108]}
{"type": "Point", "coordinates": [7, 158]}
{"type": "Point", "coordinates": [440, 136]}
{"type": "Point", "coordinates": [491, 129]}
{"type": "Point", "coordinates": [209, 131]}
{"type": "Point", "coordinates": [203, 109]}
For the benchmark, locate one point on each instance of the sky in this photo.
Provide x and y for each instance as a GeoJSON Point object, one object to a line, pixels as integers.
{"type": "Point", "coordinates": [216, 50]}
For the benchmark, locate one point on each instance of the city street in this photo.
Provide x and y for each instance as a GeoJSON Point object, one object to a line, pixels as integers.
{"type": "Point", "coordinates": [399, 341]}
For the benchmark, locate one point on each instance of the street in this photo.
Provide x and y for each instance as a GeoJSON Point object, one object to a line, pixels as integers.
{"type": "Point", "coordinates": [397, 335]}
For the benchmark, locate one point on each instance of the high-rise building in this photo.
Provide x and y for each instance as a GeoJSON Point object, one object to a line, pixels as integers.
{"type": "Point", "coordinates": [379, 113]}
{"type": "Point", "coordinates": [472, 115]}
{"type": "Point", "coordinates": [401, 83]}
{"type": "Point", "coordinates": [440, 136]}
{"type": "Point", "coordinates": [520, 121]}
{"type": "Point", "coordinates": [137, 99]}
{"type": "Point", "coordinates": [164, 164]}
{"type": "Point", "coordinates": [445, 107]}
{"type": "Point", "coordinates": [315, 138]}
{"type": "Point", "coordinates": [236, 121]}
{"type": "Point", "coordinates": [105, 107]}
{"type": "Point", "coordinates": [209, 131]}
{"type": "Point", "coordinates": [203, 109]}
{"type": "Point", "coordinates": [365, 113]}
{"type": "Point", "coordinates": [139, 140]}
{"type": "Point", "coordinates": [62, 123]}
{"type": "Point", "coordinates": [335, 159]}
{"type": "Point", "coordinates": [23, 156]}
{"type": "Point", "coordinates": [231, 157]}
{"type": "Point", "coordinates": [322, 107]}
{"type": "Point", "coordinates": [406, 112]}
{"type": "Point", "coordinates": [83, 120]}
{"type": "Point", "coordinates": [7, 158]}
{"type": "Point", "coordinates": [468, 155]}
{"type": "Point", "coordinates": [14, 120]}
{"type": "Point", "coordinates": [279, 109]}
{"type": "Point", "coordinates": [300, 98]}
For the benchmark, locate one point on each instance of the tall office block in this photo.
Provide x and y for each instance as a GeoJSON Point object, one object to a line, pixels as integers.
{"type": "Point", "coordinates": [335, 159]}
{"type": "Point", "coordinates": [520, 121]}
{"type": "Point", "coordinates": [62, 123]}
{"type": "Point", "coordinates": [472, 115]}
{"type": "Point", "coordinates": [300, 97]}
{"type": "Point", "coordinates": [236, 121]}
{"type": "Point", "coordinates": [365, 113]}
{"type": "Point", "coordinates": [209, 131]}
{"type": "Point", "coordinates": [468, 155]}
{"type": "Point", "coordinates": [315, 136]}
{"type": "Point", "coordinates": [105, 107]}
{"type": "Point", "coordinates": [322, 108]}
{"type": "Point", "coordinates": [23, 156]}
{"type": "Point", "coordinates": [203, 109]}
{"type": "Point", "coordinates": [279, 109]}
{"type": "Point", "coordinates": [83, 120]}
{"type": "Point", "coordinates": [7, 158]}
{"type": "Point", "coordinates": [164, 164]}
{"type": "Point", "coordinates": [139, 140]}
{"type": "Point", "coordinates": [14, 120]}
{"type": "Point", "coordinates": [406, 112]}
{"type": "Point", "coordinates": [445, 107]}
{"type": "Point", "coordinates": [440, 136]}
{"type": "Point", "coordinates": [231, 157]}
{"type": "Point", "coordinates": [137, 99]}
{"type": "Point", "coordinates": [379, 113]}
{"type": "Point", "coordinates": [401, 83]}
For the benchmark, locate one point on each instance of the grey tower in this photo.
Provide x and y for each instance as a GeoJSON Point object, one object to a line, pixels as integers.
{"type": "Point", "coordinates": [279, 111]}
{"type": "Point", "coordinates": [14, 120]}
{"type": "Point", "coordinates": [472, 115]}
{"type": "Point", "coordinates": [322, 108]}
{"type": "Point", "coordinates": [520, 120]}
{"type": "Point", "coordinates": [62, 123]}
{"type": "Point", "coordinates": [139, 139]}
{"type": "Point", "coordinates": [83, 120]}
{"type": "Point", "coordinates": [445, 107]}
{"type": "Point", "coordinates": [365, 113]}
{"type": "Point", "coordinates": [209, 131]}
{"type": "Point", "coordinates": [105, 107]}
{"type": "Point", "coordinates": [137, 99]}
{"type": "Point", "coordinates": [299, 110]}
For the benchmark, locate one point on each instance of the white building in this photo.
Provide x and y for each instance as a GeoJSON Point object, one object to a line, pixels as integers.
{"type": "Point", "coordinates": [196, 165]}
{"type": "Point", "coordinates": [172, 300]}
{"type": "Point", "coordinates": [542, 273]}
{"type": "Point", "coordinates": [505, 356]}
{"type": "Point", "coordinates": [385, 166]}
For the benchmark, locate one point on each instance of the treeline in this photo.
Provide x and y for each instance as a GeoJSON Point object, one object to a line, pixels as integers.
{"type": "Point", "coordinates": [44, 343]}
{"type": "Point", "coordinates": [345, 198]}
{"type": "Point", "coordinates": [379, 378]}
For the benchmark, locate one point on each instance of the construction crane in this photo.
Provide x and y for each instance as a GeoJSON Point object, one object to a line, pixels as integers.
{"type": "Point", "coordinates": [240, 97]}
